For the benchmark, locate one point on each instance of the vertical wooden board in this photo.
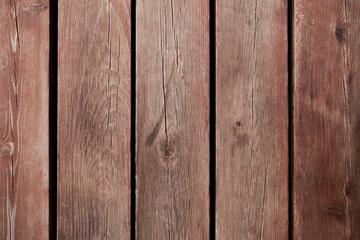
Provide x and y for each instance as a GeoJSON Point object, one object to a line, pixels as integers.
{"type": "Point", "coordinates": [326, 119]}
{"type": "Point", "coordinates": [24, 128]}
{"type": "Point", "coordinates": [251, 120]}
{"type": "Point", "coordinates": [172, 119]}
{"type": "Point", "coordinates": [94, 119]}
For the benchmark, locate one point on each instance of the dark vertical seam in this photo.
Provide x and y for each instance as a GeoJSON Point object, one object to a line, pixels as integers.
{"type": "Point", "coordinates": [16, 24]}
{"type": "Point", "coordinates": [133, 120]}
{"type": "Point", "coordinates": [163, 69]}
{"type": "Point", "coordinates": [290, 23]}
{"type": "Point", "coordinates": [212, 120]}
{"type": "Point", "coordinates": [53, 106]}
{"type": "Point", "coordinates": [253, 83]}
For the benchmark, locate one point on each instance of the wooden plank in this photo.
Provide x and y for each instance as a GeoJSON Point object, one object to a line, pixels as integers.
{"type": "Point", "coordinates": [24, 128]}
{"type": "Point", "coordinates": [326, 119]}
{"type": "Point", "coordinates": [94, 119]}
{"type": "Point", "coordinates": [172, 119]}
{"type": "Point", "coordinates": [251, 120]}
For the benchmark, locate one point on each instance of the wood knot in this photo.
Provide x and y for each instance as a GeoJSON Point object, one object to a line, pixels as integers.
{"type": "Point", "coordinates": [347, 189]}
{"type": "Point", "coordinates": [237, 127]}
{"type": "Point", "coordinates": [237, 124]}
{"type": "Point", "coordinates": [7, 149]}
{"type": "Point", "coordinates": [241, 138]}
{"type": "Point", "coordinates": [339, 33]}
{"type": "Point", "coordinates": [168, 147]}
{"type": "Point", "coordinates": [350, 77]}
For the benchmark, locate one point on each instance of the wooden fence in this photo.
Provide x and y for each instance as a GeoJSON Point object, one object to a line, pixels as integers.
{"type": "Point", "coordinates": [174, 119]}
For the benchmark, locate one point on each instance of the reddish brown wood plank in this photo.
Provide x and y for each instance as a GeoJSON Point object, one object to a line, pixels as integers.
{"type": "Point", "coordinates": [94, 119]}
{"type": "Point", "coordinates": [326, 119]}
{"type": "Point", "coordinates": [251, 120]}
{"type": "Point", "coordinates": [24, 128]}
{"type": "Point", "coordinates": [172, 127]}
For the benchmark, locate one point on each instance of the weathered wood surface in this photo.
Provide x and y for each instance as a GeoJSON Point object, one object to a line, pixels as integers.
{"type": "Point", "coordinates": [326, 119]}
{"type": "Point", "coordinates": [172, 119]}
{"type": "Point", "coordinates": [251, 120]}
{"type": "Point", "coordinates": [94, 119]}
{"type": "Point", "coordinates": [24, 133]}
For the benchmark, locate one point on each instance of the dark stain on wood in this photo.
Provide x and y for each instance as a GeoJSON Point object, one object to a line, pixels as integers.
{"type": "Point", "coordinates": [152, 136]}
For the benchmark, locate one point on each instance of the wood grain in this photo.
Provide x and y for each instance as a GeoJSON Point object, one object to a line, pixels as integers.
{"type": "Point", "coordinates": [172, 119]}
{"type": "Point", "coordinates": [326, 119]}
{"type": "Point", "coordinates": [251, 120]}
{"type": "Point", "coordinates": [94, 120]}
{"type": "Point", "coordinates": [24, 128]}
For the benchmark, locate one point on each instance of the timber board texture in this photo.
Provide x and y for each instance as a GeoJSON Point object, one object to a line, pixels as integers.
{"type": "Point", "coordinates": [94, 120]}
{"type": "Point", "coordinates": [172, 119]}
{"type": "Point", "coordinates": [326, 119]}
{"type": "Point", "coordinates": [24, 128]}
{"type": "Point", "coordinates": [179, 119]}
{"type": "Point", "coordinates": [251, 120]}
